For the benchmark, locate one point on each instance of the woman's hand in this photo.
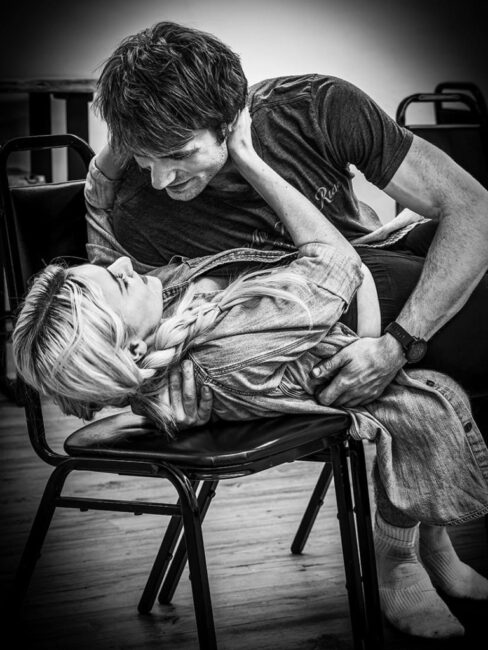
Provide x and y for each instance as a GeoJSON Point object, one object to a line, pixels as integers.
{"type": "Point", "coordinates": [239, 141]}
{"type": "Point", "coordinates": [109, 164]}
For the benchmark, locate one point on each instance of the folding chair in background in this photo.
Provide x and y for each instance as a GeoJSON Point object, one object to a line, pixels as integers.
{"type": "Point", "coordinates": [462, 129]}
{"type": "Point", "coordinates": [47, 221]}
{"type": "Point", "coordinates": [459, 114]}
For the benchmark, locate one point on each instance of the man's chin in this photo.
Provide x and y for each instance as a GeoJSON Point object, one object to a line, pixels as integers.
{"type": "Point", "coordinates": [186, 193]}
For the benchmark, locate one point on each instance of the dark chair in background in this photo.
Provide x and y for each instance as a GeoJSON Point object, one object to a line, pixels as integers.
{"type": "Point", "coordinates": [47, 221]}
{"type": "Point", "coordinates": [447, 113]}
{"type": "Point", "coordinates": [462, 129]}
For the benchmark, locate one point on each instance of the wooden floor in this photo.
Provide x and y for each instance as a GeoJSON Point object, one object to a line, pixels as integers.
{"type": "Point", "coordinates": [86, 586]}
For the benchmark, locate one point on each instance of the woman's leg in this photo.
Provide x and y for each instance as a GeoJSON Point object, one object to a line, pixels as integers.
{"type": "Point", "coordinates": [460, 348]}
{"type": "Point", "coordinates": [408, 598]}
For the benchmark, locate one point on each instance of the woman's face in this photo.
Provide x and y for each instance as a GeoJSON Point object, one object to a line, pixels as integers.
{"type": "Point", "coordinates": [137, 299]}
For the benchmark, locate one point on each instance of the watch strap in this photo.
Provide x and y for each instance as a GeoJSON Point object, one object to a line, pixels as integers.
{"type": "Point", "coordinates": [402, 336]}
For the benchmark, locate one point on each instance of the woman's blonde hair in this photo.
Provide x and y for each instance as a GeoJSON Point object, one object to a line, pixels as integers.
{"type": "Point", "coordinates": [71, 347]}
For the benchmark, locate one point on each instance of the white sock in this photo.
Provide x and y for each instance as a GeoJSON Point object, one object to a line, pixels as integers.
{"type": "Point", "coordinates": [408, 598]}
{"type": "Point", "coordinates": [445, 569]}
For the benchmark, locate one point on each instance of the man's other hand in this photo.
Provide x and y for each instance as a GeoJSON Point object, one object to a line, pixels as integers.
{"type": "Point", "coordinates": [181, 396]}
{"type": "Point", "coordinates": [359, 373]}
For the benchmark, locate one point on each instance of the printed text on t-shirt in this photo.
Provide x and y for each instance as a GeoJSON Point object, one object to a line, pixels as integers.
{"type": "Point", "coordinates": [325, 195]}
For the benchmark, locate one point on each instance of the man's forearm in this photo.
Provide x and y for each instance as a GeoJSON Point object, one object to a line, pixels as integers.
{"type": "Point", "coordinates": [456, 261]}
{"type": "Point", "coordinates": [431, 184]}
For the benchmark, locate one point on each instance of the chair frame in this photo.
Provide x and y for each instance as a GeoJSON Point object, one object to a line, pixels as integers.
{"type": "Point", "coordinates": [475, 109]}
{"type": "Point", "coordinates": [195, 486]}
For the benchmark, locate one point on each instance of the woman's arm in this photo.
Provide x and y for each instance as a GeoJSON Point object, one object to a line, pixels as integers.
{"type": "Point", "coordinates": [304, 222]}
{"type": "Point", "coordinates": [109, 164]}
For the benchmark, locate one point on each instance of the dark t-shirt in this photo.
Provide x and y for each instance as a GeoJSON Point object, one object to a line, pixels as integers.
{"type": "Point", "coordinates": [309, 129]}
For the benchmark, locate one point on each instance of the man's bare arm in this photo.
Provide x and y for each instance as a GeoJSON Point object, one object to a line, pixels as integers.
{"type": "Point", "coordinates": [433, 185]}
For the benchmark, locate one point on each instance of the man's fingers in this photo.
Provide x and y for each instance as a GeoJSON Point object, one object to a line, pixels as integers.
{"type": "Point", "coordinates": [329, 367]}
{"type": "Point", "coordinates": [189, 389]}
{"type": "Point", "coordinates": [175, 393]}
{"type": "Point", "coordinates": [205, 405]}
{"type": "Point", "coordinates": [183, 400]}
{"type": "Point", "coordinates": [328, 395]}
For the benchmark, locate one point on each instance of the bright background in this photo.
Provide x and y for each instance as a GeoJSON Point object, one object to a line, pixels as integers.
{"type": "Point", "coordinates": [389, 48]}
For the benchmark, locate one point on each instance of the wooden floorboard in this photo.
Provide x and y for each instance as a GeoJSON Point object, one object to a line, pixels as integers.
{"type": "Point", "coordinates": [86, 586]}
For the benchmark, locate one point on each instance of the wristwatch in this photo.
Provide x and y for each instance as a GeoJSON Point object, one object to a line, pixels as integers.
{"type": "Point", "coordinates": [414, 348]}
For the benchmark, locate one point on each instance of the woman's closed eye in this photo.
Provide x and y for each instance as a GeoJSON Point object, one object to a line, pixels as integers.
{"type": "Point", "coordinates": [125, 279]}
{"type": "Point", "coordinates": [121, 279]}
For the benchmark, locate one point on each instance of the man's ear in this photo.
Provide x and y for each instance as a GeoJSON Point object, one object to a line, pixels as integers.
{"type": "Point", "coordinates": [231, 125]}
{"type": "Point", "coordinates": [137, 349]}
{"type": "Point", "coordinates": [226, 129]}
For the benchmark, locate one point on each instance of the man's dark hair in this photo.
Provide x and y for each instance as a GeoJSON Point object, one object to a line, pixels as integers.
{"type": "Point", "coordinates": [165, 82]}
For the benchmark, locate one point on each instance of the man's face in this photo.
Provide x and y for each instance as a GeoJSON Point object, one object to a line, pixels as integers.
{"type": "Point", "coordinates": [185, 172]}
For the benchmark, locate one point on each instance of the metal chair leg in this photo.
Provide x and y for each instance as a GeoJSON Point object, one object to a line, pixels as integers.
{"type": "Point", "coordinates": [178, 562]}
{"type": "Point", "coordinates": [163, 559]}
{"type": "Point", "coordinates": [312, 510]}
{"type": "Point", "coordinates": [37, 535]}
{"type": "Point", "coordinates": [173, 574]}
{"type": "Point", "coordinates": [350, 550]}
{"type": "Point", "coordinates": [366, 545]}
{"type": "Point", "coordinates": [196, 557]}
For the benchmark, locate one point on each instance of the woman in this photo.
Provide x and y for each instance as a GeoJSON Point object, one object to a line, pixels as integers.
{"type": "Point", "coordinates": [90, 336]}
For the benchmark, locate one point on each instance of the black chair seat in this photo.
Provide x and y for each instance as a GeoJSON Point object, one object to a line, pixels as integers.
{"type": "Point", "coordinates": [223, 446]}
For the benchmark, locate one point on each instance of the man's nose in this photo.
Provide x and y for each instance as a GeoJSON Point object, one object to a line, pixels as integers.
{"type": "Point", "coordinates": [162, 174]}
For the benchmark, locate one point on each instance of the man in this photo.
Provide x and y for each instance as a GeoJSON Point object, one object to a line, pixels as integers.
{"type": "Point", "coordinates": [169, 96]}
{"type": "Point", "coordinates": [165, 188]}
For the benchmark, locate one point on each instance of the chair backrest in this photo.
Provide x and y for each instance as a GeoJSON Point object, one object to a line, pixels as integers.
{"type": "Point", "coordinates": [447, 113]}
{"type": "Point", "coordinates": [50, 223]}
{"type": "Point", "coordinates": [40, 223]}
{"type": "Point", "coordinates": [465, 142]}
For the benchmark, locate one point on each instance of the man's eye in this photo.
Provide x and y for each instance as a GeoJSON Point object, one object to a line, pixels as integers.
{"type": "Point", "coordinates": [182, 155]}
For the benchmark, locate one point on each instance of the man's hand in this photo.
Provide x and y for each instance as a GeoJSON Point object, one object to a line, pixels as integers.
{"type": "Point", "coordinates": [360, 372]}
{"type": "Point", "coordinates": [181, 396]}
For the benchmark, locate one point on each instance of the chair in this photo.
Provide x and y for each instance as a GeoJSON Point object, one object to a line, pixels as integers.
{"type": "Point", "coordinates": [465, 141]}
{"type": "Point", "coordinates": [458, 114]}
{"type": "Point", "coordinates": [196, 460]}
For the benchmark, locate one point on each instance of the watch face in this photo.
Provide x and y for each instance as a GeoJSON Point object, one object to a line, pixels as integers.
{"type": "Point", "coordinates": [416, 351]}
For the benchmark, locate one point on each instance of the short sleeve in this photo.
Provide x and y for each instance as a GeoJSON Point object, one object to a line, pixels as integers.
{"type": "Point", "coordinates": [355, 130]}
